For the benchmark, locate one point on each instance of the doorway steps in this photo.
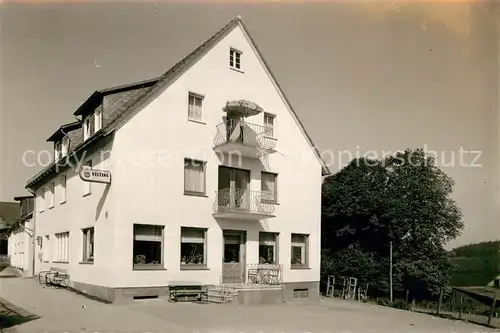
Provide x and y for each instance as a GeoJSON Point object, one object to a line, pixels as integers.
{"type": "Point", "coordinates": [222, 294]}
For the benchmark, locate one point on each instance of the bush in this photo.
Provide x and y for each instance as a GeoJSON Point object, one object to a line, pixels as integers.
{"type": "Point", "coordinates": [383, 302]}
{"type": "Point", "coordinates": [400, 304]}
{"type": "Point", "coordinates": [397, 303]}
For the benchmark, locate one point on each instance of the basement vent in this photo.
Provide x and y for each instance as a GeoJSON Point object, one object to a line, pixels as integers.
{"type": "Point", "coordinates": [301, 293]}
{"type": "Point", "coordinates": [145, 297]}
{"type": "Point", "coordinates": [496, 283]}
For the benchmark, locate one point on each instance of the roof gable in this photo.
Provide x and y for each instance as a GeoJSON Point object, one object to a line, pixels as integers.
{"type": "Point", "coordinates": [154, 86]}
{"type": "Point", "coordinates": [199, 52]}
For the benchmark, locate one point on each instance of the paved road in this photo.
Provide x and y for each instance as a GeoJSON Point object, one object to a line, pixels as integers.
{"type": "Point", "coordinates": [64, 311]}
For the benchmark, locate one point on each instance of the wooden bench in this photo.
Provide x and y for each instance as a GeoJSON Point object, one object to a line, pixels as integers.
{"type": "Point", "coordinates": [54, 277]}
{"type": "Point", "coordinates": [187, 291]}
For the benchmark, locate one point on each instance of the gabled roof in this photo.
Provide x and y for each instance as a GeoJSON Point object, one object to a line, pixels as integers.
{"type": "Point", "coordinates": [63, 130]}
{"type": "Point", "coordinates": [9, 212]}
{"type": "Point", "coordinates": [155, 85]}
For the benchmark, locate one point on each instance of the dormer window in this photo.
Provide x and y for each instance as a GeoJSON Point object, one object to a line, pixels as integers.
{"type": "Point", "coordinates": [57, 150]}
{"type": "Point", "coordinates": [235, 59]}
{"type": "Point", "coordinates": [86, 128]}
{"type": "Point", "coordinates": [65, 146]}
{"type": "Point", "coordinates": [97, 120]}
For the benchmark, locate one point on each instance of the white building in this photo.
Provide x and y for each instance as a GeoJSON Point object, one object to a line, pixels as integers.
{"type": "Point", "coordinates": [20, 239]}
{"type": "Point", "coordinates": [213, 178]}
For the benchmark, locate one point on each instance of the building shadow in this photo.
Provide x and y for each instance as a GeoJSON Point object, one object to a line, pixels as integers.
{"type": "Point", "coordinates": [11, 316]}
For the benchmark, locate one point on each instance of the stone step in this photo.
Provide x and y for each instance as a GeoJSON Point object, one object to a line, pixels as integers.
{"type": "Point", "coordinates": [223, 289]}
{"type": "Point", "coordinates": [219, 299]}
{"type": "Point", "coordinates": [218, 295]}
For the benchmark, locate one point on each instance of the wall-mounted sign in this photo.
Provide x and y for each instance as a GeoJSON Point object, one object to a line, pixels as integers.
{"type": "Point", "coordinates": [88, 174]}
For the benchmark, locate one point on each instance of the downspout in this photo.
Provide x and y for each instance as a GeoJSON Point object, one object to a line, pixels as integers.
{"type": "Point", "coordinates": [34, 231]}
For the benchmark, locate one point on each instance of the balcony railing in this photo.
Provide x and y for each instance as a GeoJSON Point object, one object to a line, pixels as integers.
{"type": "Point", "coordinates": [268, 274]}
{"type": "Point", "coordinates": [239, 201]}
{"type": "Point", "coordinates": [241, 132]}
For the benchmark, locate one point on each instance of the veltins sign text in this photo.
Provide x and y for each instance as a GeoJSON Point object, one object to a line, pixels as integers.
{"type": "Point", "coordinates": [95, 176]}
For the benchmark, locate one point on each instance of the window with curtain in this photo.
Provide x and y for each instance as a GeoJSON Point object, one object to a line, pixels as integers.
{"type": "Point", "coordinates": [195, 110]}
{"type": "Point", "coordinates": [62, 247]}
{"type": "Point", "coordinates": [148, 246]}
{"type": "Point", "coordinates": [193, 247]}
{"type": "Point", "coordinates": [88, 244]}
{"type": "Point", "coordinates": [268, 248]}
{"type": "Point", "coordinates": [269, 187]}
{"type": "Point", "coordinates": [299, 250]}
{"type": "Point", "coordinates": [194, 177]}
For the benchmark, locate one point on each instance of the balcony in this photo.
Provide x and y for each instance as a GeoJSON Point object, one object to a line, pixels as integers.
{"type": "Point", "coordinates": [242, 204]}
{"type": "Point", "coordinates": [236, 136]}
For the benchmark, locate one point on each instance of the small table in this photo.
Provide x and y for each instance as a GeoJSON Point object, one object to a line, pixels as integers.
{"type": "Point", "coordinates": [183, 290]}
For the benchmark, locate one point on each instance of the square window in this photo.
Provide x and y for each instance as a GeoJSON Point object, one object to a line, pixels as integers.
{"type": "Point", "coordinates": [194, 177]}
{"type": "Point", "coordinates": [235, 59]}
{"type": "Point", "coordinates": [269, 187]}
{"type": "Point", "coordinates": [195, 107]}
{"type": "Point", "coordinates": [268, 248]}
{"type": "Point", "coordinates": [88, 244]}
{"type": "Point", "coordinates": [148, 246]}
{"type": "Point", "coordinates": [299, 248]}
{"type": "Point", "coordinates": [193, 247]}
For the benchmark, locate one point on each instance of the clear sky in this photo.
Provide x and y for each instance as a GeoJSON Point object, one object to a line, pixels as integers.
{"type": "Point", "coordinates": [362, 76]}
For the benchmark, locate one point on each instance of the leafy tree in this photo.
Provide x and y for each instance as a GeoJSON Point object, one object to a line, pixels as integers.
{"type": "Point", "coordinates": [370, 203]}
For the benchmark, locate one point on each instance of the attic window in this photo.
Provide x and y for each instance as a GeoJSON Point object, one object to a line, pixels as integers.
{"type": "Point", "coordinates": [86, 128]}
{"type": "Point", "coordinates": [65, 146]}
{"type": "Point", "coordinates": [57, 150]}
{"type": "Point", "coordinates": [98, 119]}
{"type": "Point", "coordinates": [235, 59]}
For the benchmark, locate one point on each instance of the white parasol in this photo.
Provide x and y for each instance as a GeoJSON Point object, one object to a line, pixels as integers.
{"type": "Point", "coordinates": [242, 108]}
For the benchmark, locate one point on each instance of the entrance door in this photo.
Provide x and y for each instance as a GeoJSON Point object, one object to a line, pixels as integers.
{"type": "Point", "coordinates": [234, 257]}
{"type": "Point", "coordinates": [234, 188]}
